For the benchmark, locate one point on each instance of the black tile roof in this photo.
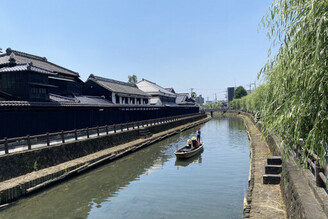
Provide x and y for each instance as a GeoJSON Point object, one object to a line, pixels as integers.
{"type": "Point", "coordinates": [41, 62]}
{"type": "Point", "coordinates": [118, 86]}
{"type": "Point", "coordinates": [26, 67]}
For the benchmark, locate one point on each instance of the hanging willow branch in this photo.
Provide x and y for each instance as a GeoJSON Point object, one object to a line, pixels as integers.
{"type": "Point", "coordinates": [296, 105]}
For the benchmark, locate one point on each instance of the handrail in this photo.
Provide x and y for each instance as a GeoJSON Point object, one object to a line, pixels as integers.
{"type": "Point", "coordinates": [313, 161]}
{"type": "Point", "coordinates": [114, 127]}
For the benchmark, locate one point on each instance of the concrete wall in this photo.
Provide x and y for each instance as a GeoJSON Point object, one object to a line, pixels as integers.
{"type": "Point", "coordinates": [302, 198]}
{"type": "Point", "coordinates": [21, 163]}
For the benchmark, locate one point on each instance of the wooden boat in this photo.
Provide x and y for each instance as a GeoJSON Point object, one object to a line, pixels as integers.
{"type": "Point", "coordinates": [186, 152]}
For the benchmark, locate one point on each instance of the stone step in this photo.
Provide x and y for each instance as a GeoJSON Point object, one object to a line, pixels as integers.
{"type": "Point", "coordinates": [272, 179]}
{"type": "Point", "coordinates": [145, 133]}
{"type": "Point", "coordinates": [274, 160]}
{"type": "Point", "coordinates": [272, 169]}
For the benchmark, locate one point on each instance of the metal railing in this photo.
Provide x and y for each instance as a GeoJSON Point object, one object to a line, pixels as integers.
{"type": "Point", "coordinates": [28, 142]}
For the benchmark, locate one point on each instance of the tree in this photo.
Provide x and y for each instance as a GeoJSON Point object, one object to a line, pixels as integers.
{"type": "Point", "coordinates": [239, 92]}
{"type": "Point", "coordinates": [297, 75]}
{"type": "Point", "coordinates": [193, 95]}
{"type": "Point", "coordinates": [132, 79]}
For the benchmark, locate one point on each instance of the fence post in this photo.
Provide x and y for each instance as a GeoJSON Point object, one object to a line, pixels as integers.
{"type": "Point", "coordinates": [75, 134]}
{"type": "Point", "coordinates": [87, 132]}
{"type": "Point", "coordinates": [133, 124]}
{"type": "Point", "coordinates": [121, 128]}
{"type": "Point", "coordinates": [318, 180]}
{"type": "Point", "coordinates": [127, 126]}
{"type": "Point", "coordinates": [62, 136]}
{"type": "Point", "coordinates": [6, 146]}
{"type": "Point", "coordinates": [28, 142]}
{"type": "Point", "coordinates": [107, 129]}
{"type": "Point", "coordinates": [98, 130]}
{"type": "Point", "coordinates": [114, 129]}
{"type": "Point", "coordinates": [48, 140]}
{"type": "Point", "coordinates": [138, 124]}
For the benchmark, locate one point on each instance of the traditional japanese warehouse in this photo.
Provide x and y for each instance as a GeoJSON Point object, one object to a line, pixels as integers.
{"type": "Point", "coordinates": [38, 96]}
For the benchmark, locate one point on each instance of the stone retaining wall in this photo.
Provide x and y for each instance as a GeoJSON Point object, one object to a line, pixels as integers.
{"type": "Point", "coordinates": [302, 198]}
{"type": "Point", "coordinates": [20, 163]}
{"type": "Point", "coordinates": [12, 189]}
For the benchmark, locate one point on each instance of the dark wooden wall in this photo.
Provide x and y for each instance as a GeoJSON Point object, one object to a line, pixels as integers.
{"type": "Point", "coordinates": [21, 121]}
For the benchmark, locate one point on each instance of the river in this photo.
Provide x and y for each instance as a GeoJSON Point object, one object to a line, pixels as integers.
{"type": "Point", "coordinates": [152, 183]}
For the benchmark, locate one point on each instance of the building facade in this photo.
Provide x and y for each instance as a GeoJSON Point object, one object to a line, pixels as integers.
{"type": "Point", "coordinates": [159, 95]}
{"type": "Point", "coordinates": [117, 92]}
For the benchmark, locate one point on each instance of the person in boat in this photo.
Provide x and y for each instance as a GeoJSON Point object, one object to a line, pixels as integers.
{"type": "Point", "coordinates": [194, 142]}
{"type": "Point", "coordinates": [189, 142]}
{"type": "Point", "coordinates": [198, 135]}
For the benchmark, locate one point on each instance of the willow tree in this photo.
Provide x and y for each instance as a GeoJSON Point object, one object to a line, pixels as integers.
{"type": "Point", "coordinates": [132, 79]}
{"type": "Point", "coordinates": [297, 75]}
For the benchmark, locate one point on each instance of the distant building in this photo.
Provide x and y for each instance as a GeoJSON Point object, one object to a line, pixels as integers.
{"type": "Point", "coordinates": [200, 100]}
{"type": "Point", "coordinates": [116, 92]}
{"type": "Point", "coordinates": [231, 92]}
{"type": "Point", "coordinates": [159, 95]}
{"type": "Point", "coordinates": [184, 99]}
{"type": "Point", "coordinates": [170, 90]}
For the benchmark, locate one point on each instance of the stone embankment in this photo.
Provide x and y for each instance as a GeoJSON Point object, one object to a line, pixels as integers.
{"type": "Point", "coordinates": [26, 172]}
{"type": "Point", "coordinates": [297, 195]}
{"type": "Point", "coordinates": [263, 200]}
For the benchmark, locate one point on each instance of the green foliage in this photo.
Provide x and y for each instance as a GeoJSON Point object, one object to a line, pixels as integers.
{"type": "Point", "coordinates": [251, 102]}
{"type": "Point", "coordinates": [132, 79]}
{"type": "Point", "coordinates": [35, 166]}
{"type": "Point", "coordinates": [240, 92]}
{"type": "Point", "coordinates": [193, 95]}
{"type": "Point", "coordinates": [296, 105]}
{"type": "Point", "coordinates": [217, 105]}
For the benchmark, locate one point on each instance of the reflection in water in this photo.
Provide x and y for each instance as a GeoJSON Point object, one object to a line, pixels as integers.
{"type": "Point", "coordinates": [185, 162]}
{"type": "Point", "coordinates": [152, 183]}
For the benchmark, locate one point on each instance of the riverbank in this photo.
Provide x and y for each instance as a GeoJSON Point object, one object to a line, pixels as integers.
{"type": "Point", "coordinates": [17, 187]}
{"type": "Point", "coordinates": [297, 195]}
{"type": "Point", "coordinates": [263, 200]}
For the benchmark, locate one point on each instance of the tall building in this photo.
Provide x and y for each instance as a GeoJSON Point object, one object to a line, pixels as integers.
{"type": "Point", "coordinates": [200, 100]}
{"type": "Point", "coordinates": [231, 92]}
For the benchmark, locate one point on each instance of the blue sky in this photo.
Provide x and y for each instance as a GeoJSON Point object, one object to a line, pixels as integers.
{"type": "Point", "coordinates": [207, 45]}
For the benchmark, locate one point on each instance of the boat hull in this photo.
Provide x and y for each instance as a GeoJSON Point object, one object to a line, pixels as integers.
{"type": "Point", "coordinates": [181, 153]}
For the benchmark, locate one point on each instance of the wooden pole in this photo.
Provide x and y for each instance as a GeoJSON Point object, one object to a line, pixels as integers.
{"type": "Point", "coordinates": [62, 136]}
{"type": "Point", "coordinates": [28, 142]}
{"type": "Point", "coordinates": [6, 146]}
{"type": "Point", "coordinates": [75, 134]}
{"type": "Point", "coordinates": [318, 180]}
{"type": "Point", "coordinates": [48, 140]}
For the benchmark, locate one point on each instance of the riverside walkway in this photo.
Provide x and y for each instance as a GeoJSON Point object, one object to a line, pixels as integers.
{"type": "Point", "coordinates": [266, 200]}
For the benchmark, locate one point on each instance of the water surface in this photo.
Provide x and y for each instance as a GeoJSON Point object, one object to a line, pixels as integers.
{"type": "Point", "coordinates": [152, 183]}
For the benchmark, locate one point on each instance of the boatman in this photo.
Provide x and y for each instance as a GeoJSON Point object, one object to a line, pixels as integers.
{"type": "Point", "coordinates": [198, 135]}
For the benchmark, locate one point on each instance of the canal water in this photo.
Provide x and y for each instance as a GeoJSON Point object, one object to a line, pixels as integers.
{"type": "Point", "coordinates": [152, 183]}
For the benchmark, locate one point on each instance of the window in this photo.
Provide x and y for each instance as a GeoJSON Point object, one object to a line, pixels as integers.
{"type": "Point", "coordinates": [38, 90]}
{"type": "Point", "coordinates": [117, 98]}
